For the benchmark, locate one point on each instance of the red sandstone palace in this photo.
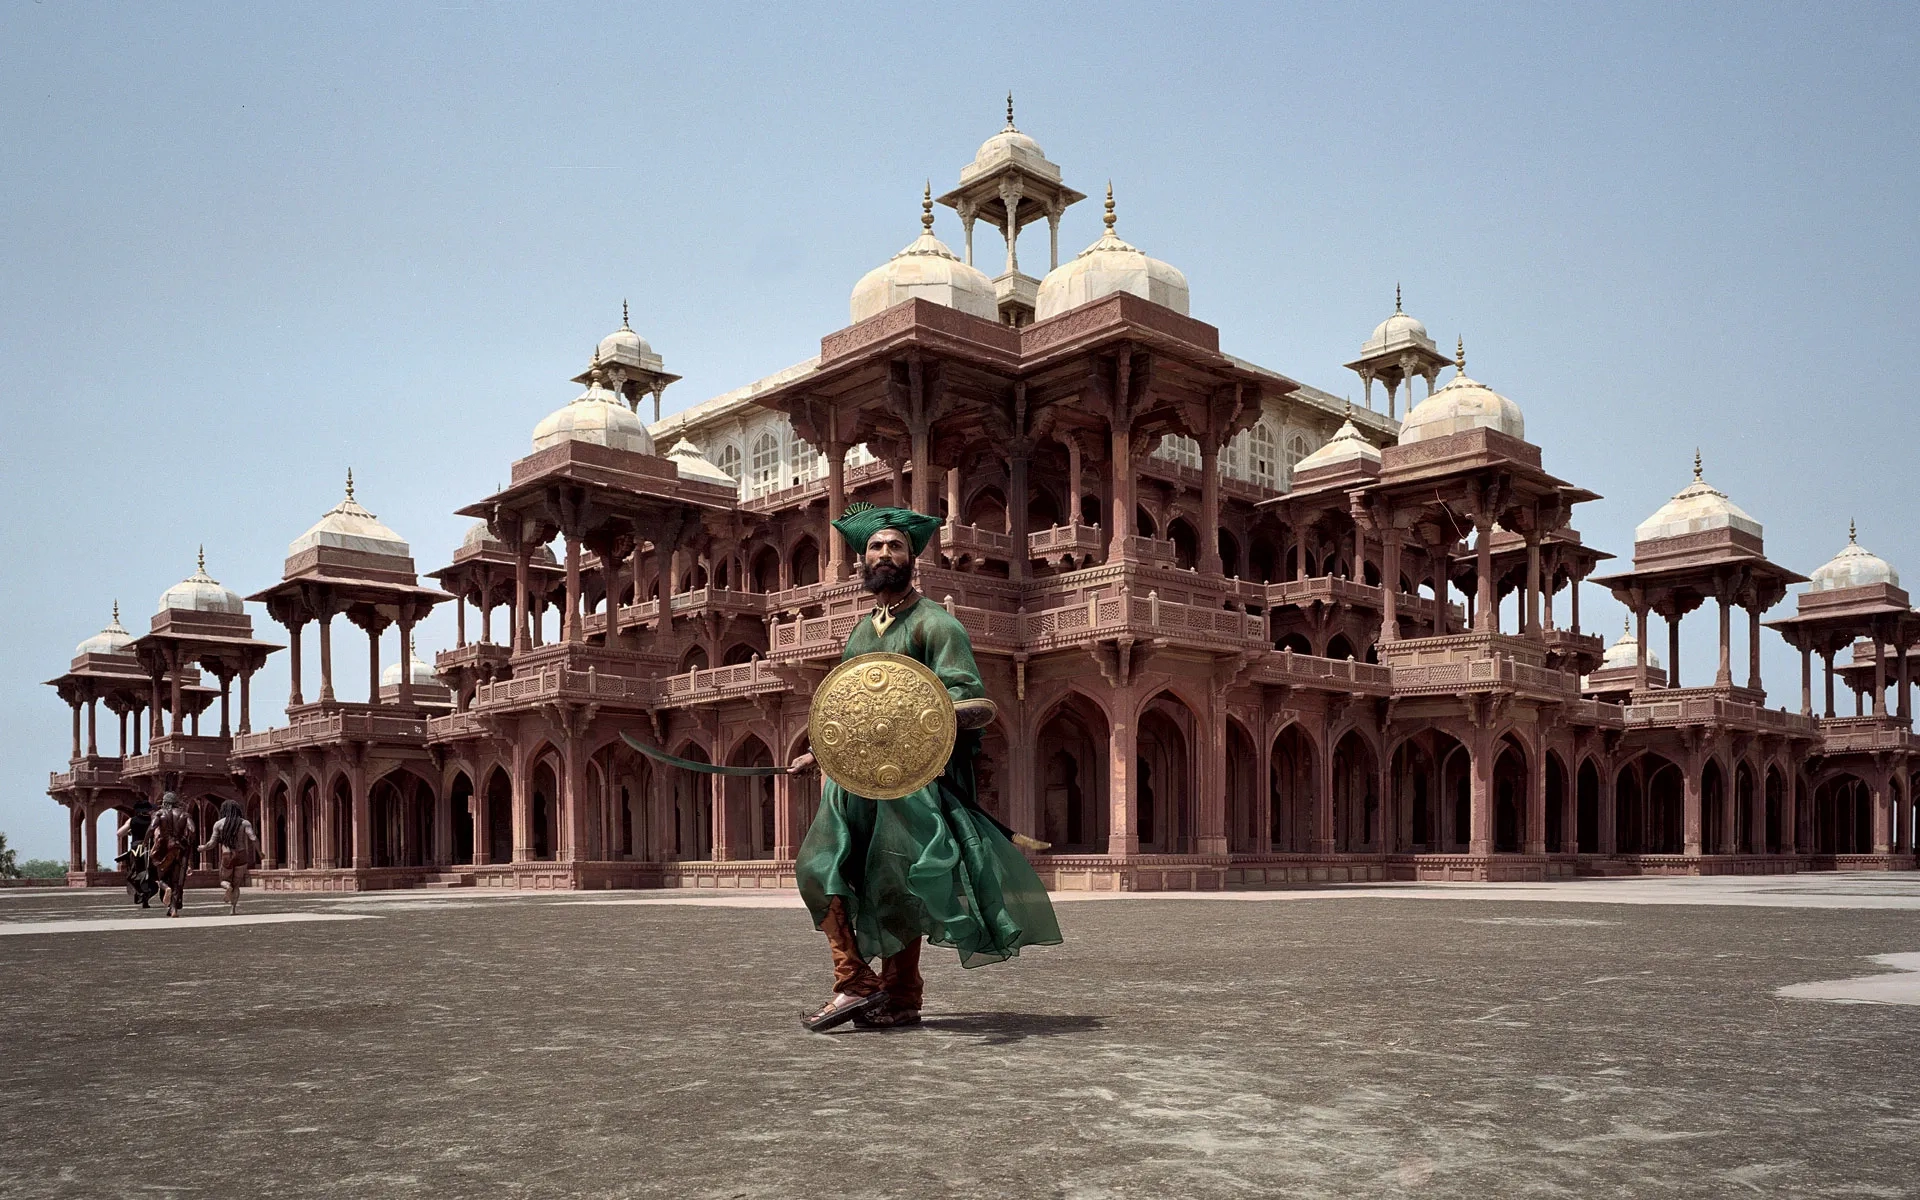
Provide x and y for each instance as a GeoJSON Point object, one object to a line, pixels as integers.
{"type": "Point", "coordinates": [1239, 632]}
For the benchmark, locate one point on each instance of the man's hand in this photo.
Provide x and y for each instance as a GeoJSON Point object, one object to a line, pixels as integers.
{"type": "Point", "coordinates": [801, 764]}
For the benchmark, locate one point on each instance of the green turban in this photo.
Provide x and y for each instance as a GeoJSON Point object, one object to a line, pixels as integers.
{"type": "Point", "coordinates": [861, 521]}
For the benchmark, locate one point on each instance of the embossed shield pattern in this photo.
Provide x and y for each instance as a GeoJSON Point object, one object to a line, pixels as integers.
{"type": "Point", "coordinates": [882, 726]}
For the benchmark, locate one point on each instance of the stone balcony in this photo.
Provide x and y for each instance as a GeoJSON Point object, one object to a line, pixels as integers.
{"type": "Point", "coordinates": [1084, 543]}
{"type": "Point", "coordinates": [183, 753]}
{"type": "Point", "coordinates": [979, 543]}
{"type": "Point", "coordinates": [706, 601]}
{"type": "Point", "coordinates": [1853, 735]}
{"type": "Point", "coordinates": [1286, 669]}
{"type": "Point", "coordinates": [315, 725]}
{"type": "Point", "coordinates": [716, 684]}
{"type": "Point", "coordinates": [87, 771]}
{"type": "Point", "coordinates": [1731, 708]}
{"type": "Point", "coordinates": [534, 684]}
{"type": "Point", "coordinates": [482, 659]}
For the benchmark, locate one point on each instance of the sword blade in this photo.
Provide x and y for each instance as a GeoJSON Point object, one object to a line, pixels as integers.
{"type": "Point", "coordinates": [687, 764]}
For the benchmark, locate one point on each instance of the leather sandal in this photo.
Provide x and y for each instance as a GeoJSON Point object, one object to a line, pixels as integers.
{"type": "Point", "coordinates": [841, 1009]}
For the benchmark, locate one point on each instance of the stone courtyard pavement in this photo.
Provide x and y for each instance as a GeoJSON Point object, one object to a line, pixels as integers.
{"type": "Point", "coordinates": [1637, 1038]}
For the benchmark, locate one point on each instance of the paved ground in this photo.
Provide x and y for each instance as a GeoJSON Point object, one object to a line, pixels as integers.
{"type": "Point", "coordinates": [1605, 1039]}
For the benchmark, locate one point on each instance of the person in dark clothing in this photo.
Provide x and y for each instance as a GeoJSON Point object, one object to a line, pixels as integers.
{"type": "Point", "coordinates": [171, 843]}
{"type": "Point", "coordinates": [135, 860]}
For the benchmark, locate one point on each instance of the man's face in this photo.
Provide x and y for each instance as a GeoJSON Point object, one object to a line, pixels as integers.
{"type": "Point", "coordinates": [888, 564]}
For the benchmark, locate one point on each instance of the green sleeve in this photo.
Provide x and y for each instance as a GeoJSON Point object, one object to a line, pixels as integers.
{"type": "Point", "coordinates": [948, 652]}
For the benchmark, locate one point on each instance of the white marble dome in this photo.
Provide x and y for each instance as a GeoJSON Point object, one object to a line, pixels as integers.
{"type": "Point", "coordinates": [200, 592]}
{"type": "Point", "coordinates": [1400, 329]}
{"type": "Point", "coordinates": [480, 537]}
{"type": "Point", "coordinates": [1853, 567]}
{"type": "Point", "coordinates": [112, 640]}
{"type": "Point", "coordinates": [1696, 508]}
{"type": "Point", "coordinates": [598, 416]}
{"type": "Point", "coordinates": [1626, 653]}
{"type": "Point", "coordinates": [694, 465]}
{"type": "Point", "coordinates": [423, 675]}
{"type": "Point", "coordinates": [925, 270]}
{"type": "Point", "coordinates": [348, 526]}
{"type": "Point", "coordinates": [1461, 405]}
{"type": "Point", "coordinates": [1346, 446]}
{"type": "Point", "coordinates": [1108, 266]}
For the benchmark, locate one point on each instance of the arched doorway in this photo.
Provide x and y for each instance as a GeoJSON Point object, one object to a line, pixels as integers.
{"type": "Point", "coordinates": [499, 817]}
{"type": "Point", "coordinates": [1509, 797]}
{"type": "Point", "coordinates": [1339, 647]}
{"type": "Point", "coordinates": [544, 814]}
{"type": "Point", "coordinates": [1356, 796]}
{"type": "Point", "coordinates": [1843, 816]}
{"type": "Point", "coordinates": [1556, 815]}
{"type": "Point", "coordinates": [988, 510]}
{"type": "Point", "coordinates": [1072, 761]}
{"type": "Point", "coordinates": [1715, 837]}
{"type": "Point", "coordinates": [1586, 820]}
{"type": "Point", "coordinates": [1164, 787]}
{"type": "Point", "coordinates": [695, 659]}
{"type": "Point", "coordinates": [1243, 798]}
{"type": "Point", "coordinates": [1290, 792]}
{"type": "Point", "coordinates": [1776, 802]}
{"type": "Point", "coordinates": [804, 562]}
{"type": "Point", "coordinates": [341, 819]}
{"type": "Point", "coordinates": [1432, 791]}
{"type": "Point", "coordinates": [692, 799]}
{"type": "Point", "coordinates": [460, 798]}
{"type": "Point", "coordinates": [763, 575]}
{"type": "Point", "coordinates": [1743, 809]}
{"type": "Point", "coordinates": [750, 802]}
{"type": "Point", "coordinates": [1186, 543]}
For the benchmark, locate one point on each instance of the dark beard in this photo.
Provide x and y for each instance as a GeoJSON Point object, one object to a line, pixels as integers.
{"type": "Point", "coordinates": [885, 577]}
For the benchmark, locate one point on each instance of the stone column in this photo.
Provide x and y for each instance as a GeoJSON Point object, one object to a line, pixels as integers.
{"type": "Point", "coordinates": [482, 839]}
{"type": "Point", "coordinates": [1879, 675]}
{"type": "Point", "coordinates": [1827, 657]}
{"type": "Point", "coordinates": [1123, 827]}
{"type": "Point", "coordinates": [75, 706]}
{"type": "Point", "coordinates": [1323, 835]}
{"type": "Point", "coordinates": [1906, 690]}
{"type": "Point", "coordinates": [1210, 509]}
{"type": "Point", "coordinates": [1480, 795]}
{"type": "Point", "coordinates": [246, 700]}
{"type": "Point", "coordinates": [176, 704]}
{"type": "Point", "coordinates": [404, 697]}
{"type": "Point", "coordinates": [93, 839]}
{"type": "Point", "coordinates": [722, 824]}
{"type": "Point", "coordinates": [1609, 814]}
{"type": "Point", "coordinates": [226, 692]}
{"type": "Point", "coordinates": [1073, 479]}
{"type": "Point", "coordinates": [1122, 488]}
{"type": "Point", "coordinates": [1487, 601]}
{"type": "Point", "coordinates": [1753, 645]}
{"type": "Point", "coordinates": [1016, 508]}
{"type": "Point", "coordinates": [1535, 841]}
{"type": "Point", "coordinates": [460, 620]}
{"type": "Point", "coordinates": [1723, 677]}
{"type": "Point", "coordinates": [326, 658]}
{"type": "Point", "coordinates": [783, 818]}
{"type": "Point", "coordinates": [373, 661]}
{"type": "Point", "coordinates": [836, 501]}
{"type": "Point", "coordinates": [1390, 539]}
{"type": "Point", "coordinates": [1806, 679]}
{"type": "Point", "coordinates": [1263, 799]}
{"type": "Point", "coordinates": [570, 620]}
{"type": "Point", "coordinates": [1673, 648]}
{"type": "Point", "coordinates": [1690, 808]}
{"type": "Point", "coordinates": [1882, 817]}
{"type": "Point", "coordinates": [93, 718]}
{"type": "Point", "coordinates": [522, 771]}
{"type": "Point", "coordinates": [362, 818]}
{"type": "Point", "coordinates": [1211, 811]}
{"type": "Point", "coordinates": [522, 619]}
{"type": "Point", "coordinates": [1530, 610]}
{"type": "Point", "coordinates": [76, 857]}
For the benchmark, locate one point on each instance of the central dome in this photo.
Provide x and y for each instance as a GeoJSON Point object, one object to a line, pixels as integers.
{"type": "Point", "coordinates": [925, 270]}
{"type": "Point", "coordinates": [200, 592]}
{"type": "Point", "coordinates": [1108, 266]}
{"type": "Point", "coordinates": [1462, 405]}
{"type": "Point", "coordinates": [1626, 653]}
{"type": "Point", "coordinates": [422, 675]}
{"type": "Point", "coordinates": [348, 526]}
{"type": "Point", "coordinates": [1696, 508]}
{"type": "Point", "coordinates": [599, 416]}
{"type": "Point", "coordinates": [112, 640]}
{"type": "Point", "coordinates": [1854, 567]}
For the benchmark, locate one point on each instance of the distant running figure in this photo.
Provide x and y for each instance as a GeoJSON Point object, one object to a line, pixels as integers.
{"type": "Point", "coordinates": [239, 850]}
{"type": "Point", "coordinates": [135, 861]}
{"type": "Point", "coordinates": [170, 843]}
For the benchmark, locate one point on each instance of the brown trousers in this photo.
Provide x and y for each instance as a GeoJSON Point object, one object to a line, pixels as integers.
{"type": "Point", "coordinates": [899, 974]}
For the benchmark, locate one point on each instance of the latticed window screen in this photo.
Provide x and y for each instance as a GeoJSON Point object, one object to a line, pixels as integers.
{"type": "Point", "coordinates": [1183, 450]}
{"type": "Point", "coordinates": [1264, 450]}
{"type": "Point", "coordinates": [730, 460]}
{"type": "Point", "coordinates": [1297, 449]}
{"type": "Point", "coordinates": [766, 464]}
{"type": "Point", "coordinates": [1233, 456]}
{"type": "Point", "coordinates": [806, 461]}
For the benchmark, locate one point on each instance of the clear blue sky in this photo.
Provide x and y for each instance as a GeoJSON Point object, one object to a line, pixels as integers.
{"type": "Point", "coordinates": [243, 247]}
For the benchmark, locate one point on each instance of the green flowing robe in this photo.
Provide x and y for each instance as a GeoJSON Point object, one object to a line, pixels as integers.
{"type": "Point", "coordinates": [931, 864]}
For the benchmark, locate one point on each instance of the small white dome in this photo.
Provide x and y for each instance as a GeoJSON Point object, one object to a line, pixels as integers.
{"type": "Point", "coordinates": [925, 270]}
{"type": "Point", "coordinates": [1108, 266]}
{"type": "Point", "coordinates": [694, 465]}
{"type": "Point", "coordinates": [624, 347]}
{"type": "Point", "coordinates": [1626, 653]}
{"type": "Point", "coordinates": [111, 640]}
{"type": "Point", "coordinates": [1462, 405]}
{"type": "Point", "coordinates": [1400, 329]}
{"type": "Point", "coordinates": [1854, 567]}
{"type": "Point", "coordinates": [200, 592]}
{"type": "Point", "coordinates": [1348, 445]}
{"type": "Point", "coordinates": [599, 416]}
{"type": "Point", "coordinates": [1009, 146]}
{"type": "Point", "coordinates": [348, 526]}
{"type": "Point", "coordinates": [422, 675]}
{"type": "Point", "coordinates": [1696, 508]}
{"type": "Point", "coordinates": [480, 537]}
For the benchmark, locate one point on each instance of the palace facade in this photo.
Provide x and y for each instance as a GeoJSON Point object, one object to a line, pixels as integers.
{"type": "Point", "coordinates": [1240, 633]}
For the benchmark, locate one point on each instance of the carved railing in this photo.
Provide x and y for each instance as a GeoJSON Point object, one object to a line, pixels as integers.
{"type": "Point", "coordinates": [1075, 539]}
{"type": "Point", "coordinates": [329, 729]}
{"type": "Point", "coordinates": [1703, 706]}
{"type": "Point", "coordinates": [1481, 674]}
{"type": "Point", "coordinates": [1842, 735]}
{"type": "Point", "coordinates": [1148, 549]}
{"type": "Point", "coordinates": [708, 685]}
{"type": "Point", "coordinates": [1308, 670]}
{"type": "Point", "coordinates": [90, 770]}
{"type": "Point", "coordinates": [454, 726]}
{"type": "Point", "coordinates": [956, 540]}
{"type": "Point", "coordinates": [180, 752]}
{"type": "Point", "coordinates": [556, 683]}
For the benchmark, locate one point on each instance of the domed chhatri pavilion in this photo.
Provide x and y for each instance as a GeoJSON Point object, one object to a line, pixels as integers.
{"type": "Point", "coordinates": [1240, 632]}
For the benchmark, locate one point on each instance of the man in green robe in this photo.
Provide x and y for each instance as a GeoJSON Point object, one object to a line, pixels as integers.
{"type": "Point", "coordinates": [880, 875]}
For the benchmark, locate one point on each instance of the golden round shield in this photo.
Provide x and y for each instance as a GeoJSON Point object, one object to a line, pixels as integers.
{"type": "Point", "coordinates": [882, 725]}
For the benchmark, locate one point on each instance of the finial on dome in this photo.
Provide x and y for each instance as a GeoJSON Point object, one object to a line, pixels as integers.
{"type": "Point", "coordinates": [926, 209]}
{"type": "Point", "coordinates": [116, 612]}
{"type": "Point", "coordinates": [1010, 128]}
{"type": "Point", "coordinates": [1696, 464]}
{"type": "Point", "coordinates": [349, 483]}
{"type": "Point", "coordinates": [596, 377]}
{"type": "Point", "coordinates": [1460, 355]}
{"type": "Point", "coordinates": [623, 317]}
{"type": "Point", "coordinates": [1396, 297]}
{"type": "Point", "coordinates": [203, 559]}
{"type": "Point", "coordinates": [1852, 536]}
{"type": "Point", "coordinates": [1109, 216]}
{"type": "Point", "coordinates": [1626, 624]}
